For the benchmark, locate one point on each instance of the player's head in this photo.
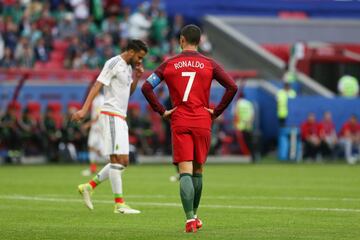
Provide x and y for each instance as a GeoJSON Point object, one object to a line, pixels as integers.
{"type": "Point", "coordinates": [327, 116]}
{"type": "Point", "coordinates": [311, 117]}
{"type": "Point", "coordinates": [353, 119]}
{"type": "Point", "coordinates": [190, 35]}
{"type": "Point", "coordinates": [136, 50]}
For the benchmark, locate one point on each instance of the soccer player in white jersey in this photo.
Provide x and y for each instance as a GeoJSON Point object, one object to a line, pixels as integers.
{"type": "Point", "coordinates": [95, 140]}
{"type": "Point", "coordinates": [117, 80]}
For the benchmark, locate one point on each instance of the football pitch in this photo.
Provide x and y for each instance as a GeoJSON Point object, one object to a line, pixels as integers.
{"type": "Point", "coordinates": [265, 201]}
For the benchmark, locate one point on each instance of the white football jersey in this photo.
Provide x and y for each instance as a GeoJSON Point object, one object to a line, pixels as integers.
{"type": "Point", "coordinates": [116, 76]}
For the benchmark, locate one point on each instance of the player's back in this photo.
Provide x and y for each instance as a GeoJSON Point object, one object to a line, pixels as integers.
{"type": "Point", "coordinates": [188, 77]}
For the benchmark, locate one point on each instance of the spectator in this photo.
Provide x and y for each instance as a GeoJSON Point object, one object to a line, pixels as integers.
{"type": "Point", "coordinates": [24, 53]}
{"type": "Point", "coordinates": [140, 127]}
{"type": "Point", "coordinates": [328, 137]}
{"type": "Point", "coordinates": [74, 135]}
{"type": "Point", "coordinates": [81, 9]}
{"type": "Point", "coordinates": [67, 27]}
{"type": "Point", "coordinates": [350, 139]}
{"type": "Point", "coordinates": [46, 20]}
{"type": "Point", "coordinates": [34, 33]}
{"type": "Point", "coordinates": [111, 26]}
{"type": "Point", "coordinates": [10, 34]}
{"type": "Point", "coordinates": [205, 45]}
{"type": "Point", "coordinates": [310, 137]}
{"type": "Point", "coordinates": [124, 24]}
{"type": "Point", "coordinates": [47, 36]}
{"type": "Point", "coordinates": [156, 7]}
{"type": "Point", "coordinates": [139, 24]}
{"type": "Point", "coordinates": [282, 103]}
{"type": "Point", "coordinates": [159, 28]}
{"type": "Point", "coordinates": [53, 135]}
{"type": "Point", "coordinates": [112, 6]}
{"type": "Point", "coordinates": [90, 59]}
{"type": "Point", "coordinates": [10, 132]}
{"type": "Point", "coordinates": [177, 25]}
{"type": "Point", "coordinates": [86, 37]}
{"type": "Point", "coordinates": [25, 24]}
{"type": "Point", "coordinates": [2, 46]}
{"type": "Point", "coordinates": [8, 60]}
{"type": "Point", "coordinates": [348, 86]}
{"type": "Point", "coordinates": [32, 140]}
{"type": "Point", "coordinates": [243, 122]}
{"type": "Point", "coordinates": [42, 54]}
{"type": "Point", "coordinates": [73, 51]}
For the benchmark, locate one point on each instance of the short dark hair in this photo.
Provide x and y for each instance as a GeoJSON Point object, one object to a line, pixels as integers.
{"type": "Point", "coordinates": [136, 45]}
{"type": "Point", "coordinates": [191, 33]}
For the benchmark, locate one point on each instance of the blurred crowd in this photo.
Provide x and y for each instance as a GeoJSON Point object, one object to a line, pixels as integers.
{"type": "Point", "coordinates": [320, 138]}
{"type": "Point", "coordinates": [79, 34]}
{"type": "Point", "coordinates": [29, 131]}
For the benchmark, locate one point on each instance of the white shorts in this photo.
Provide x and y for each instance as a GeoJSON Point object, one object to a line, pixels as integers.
{"type": "Point", "coordinates": [115, 135]}
{"type": "Point", "coordinates": [96, 142]}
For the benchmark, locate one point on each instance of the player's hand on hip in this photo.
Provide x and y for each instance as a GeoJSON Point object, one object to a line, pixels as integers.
{"type": "Point", "coordinates": [211, 111]}
{"type": "Point", "coordinates": [139, 70]}
{"type": "Point", "coordinates": [167, 113]}
{"type": "Point", "coordinates": [78, 116]}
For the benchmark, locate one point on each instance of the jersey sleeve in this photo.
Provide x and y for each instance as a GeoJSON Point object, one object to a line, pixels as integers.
{"type": "Point", "coordinates": [147, 89]}
{"type": "Point", "coordinates": [228, 83]}
{"type": "Point", "coordinates": [106, 73]}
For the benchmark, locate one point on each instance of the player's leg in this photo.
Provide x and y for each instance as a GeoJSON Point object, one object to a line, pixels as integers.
{"type": "Point", "coordinates": [93, 157]}
{"type": "Point", "coordinates": [202, 140]}
{"type": "Point", "coordinates": [197, 180]}
{"type": "Point", "coordinates": [183, 154]}
{"type": "Point", "coordinates": [119, 161]}
{"type": "Point", "coordinates": [86, 189]}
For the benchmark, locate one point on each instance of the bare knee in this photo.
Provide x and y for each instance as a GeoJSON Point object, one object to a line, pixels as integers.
{"type": "Point", "coordinates": [197, 168]}
{"type": "Point", "coordinates": [120, 159]}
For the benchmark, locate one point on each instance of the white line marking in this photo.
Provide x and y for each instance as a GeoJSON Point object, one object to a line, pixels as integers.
{"type": "Point", "coordinates": [32, 198]}
{"type": "Point", "coordinates": [285, 198]}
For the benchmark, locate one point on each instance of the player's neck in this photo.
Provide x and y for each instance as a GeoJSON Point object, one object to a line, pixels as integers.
{"type": "Point", "coordinates": [125, 55]}
{"type": "Point", "coordinates": [190, 48]}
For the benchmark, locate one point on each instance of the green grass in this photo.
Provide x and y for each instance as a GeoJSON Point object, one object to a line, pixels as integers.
{"type": "Point", "coordinates": [267, 201]}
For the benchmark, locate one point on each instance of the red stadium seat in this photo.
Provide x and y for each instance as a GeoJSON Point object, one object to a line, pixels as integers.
{"type": "Point", "coordinates": [15, 105]}
{"type": "Point", "coordinates": [60, 45]}
{"type": "Point", "coordinates": [76, 105]}
{"type": "Point", "coordinates": [293, 15]}
{"type": "Point", "coordinates": [56, 113]}
{"type": "Point", "coordinates": [54, 65]}
{"type": "Point", "coordinates": [57, 56]}
{"type": "Point", "coordinates": [54, 106]}
{"type": "Point", "coordinates": [34, 109]}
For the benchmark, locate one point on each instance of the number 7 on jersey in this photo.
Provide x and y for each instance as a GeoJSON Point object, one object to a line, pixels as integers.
{"type": "Point", "coordinates": [191, 76]}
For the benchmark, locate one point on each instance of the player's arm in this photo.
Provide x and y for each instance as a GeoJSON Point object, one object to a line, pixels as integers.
{"type": "Point", "coordinates": [104, 78]}
{"type": "Point", "coordinates": [152, 82]}
{"type": "Point", "coordinates": [139, 70]}
{"type": "Point", "coordinates": [95, 89]}
{"type": "Point", "coordinates": [147, 89]}
{"type": "Point", "coordinates": [230, 90]}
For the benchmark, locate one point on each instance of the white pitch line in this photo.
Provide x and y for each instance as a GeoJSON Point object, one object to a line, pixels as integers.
{"type": "Point", "coordinates": [30, 198]}
{"type": "Point", "coordinates": [285, 198]}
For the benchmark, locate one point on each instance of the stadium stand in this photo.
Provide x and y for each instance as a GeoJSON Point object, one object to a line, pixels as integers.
{"type": "Point", "coordinates": [51, 52]}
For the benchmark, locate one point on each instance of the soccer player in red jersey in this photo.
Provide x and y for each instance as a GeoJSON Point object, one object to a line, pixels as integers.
{"type": "Point", "coordinates": [188, 76]}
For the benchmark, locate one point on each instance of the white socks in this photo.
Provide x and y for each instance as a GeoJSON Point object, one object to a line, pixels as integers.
{"type": "Point", "coordinates": [104, 173]}
{"type": "Point", "coordinates": [115, 177]}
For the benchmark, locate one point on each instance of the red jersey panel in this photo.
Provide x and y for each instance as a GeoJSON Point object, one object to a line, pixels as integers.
{"type": "Point", "coordinates": [188, 77]}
